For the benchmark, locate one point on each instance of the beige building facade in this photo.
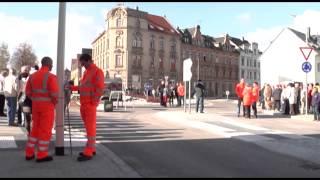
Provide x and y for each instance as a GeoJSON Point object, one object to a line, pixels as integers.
{"type": "Point", "coordinates": [138, 47]}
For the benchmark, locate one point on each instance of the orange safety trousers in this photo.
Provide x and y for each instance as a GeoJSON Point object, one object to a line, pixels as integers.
{"type": "Point", "coordinates": [41, 132]}
{"type": "Point", "coordinates": [88, 115]}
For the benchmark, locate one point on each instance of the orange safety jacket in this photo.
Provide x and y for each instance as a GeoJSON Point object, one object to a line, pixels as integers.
{"type": "Point", "coordinates": [180, 90]}
{"type": "Point", "coordinates": [247, 96]}
{"type": "Point", "coordinates": [239, 89]}
{"type": "Point", "coordinates": [42, 87]}
{"type": "Point", "coordinates": [91, 85]}
{"type": "Point", "coordinates": [255, 94]}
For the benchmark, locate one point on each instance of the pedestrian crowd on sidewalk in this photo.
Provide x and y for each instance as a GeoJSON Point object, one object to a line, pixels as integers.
{"type": "Point", "coordinates": [176, 91]}
{"type": "Point", "coordinates": [169, 93]}
{"type": "Point", "coordinates": [13, 96]}
{"type": "Point", "coordinates": [286, 98]}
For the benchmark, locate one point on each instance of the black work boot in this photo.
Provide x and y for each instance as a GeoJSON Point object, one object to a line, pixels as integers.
{"type": "Point", "coordinates": [81, 153]}
{"type": "Point", "coordinates": [28, 158]}
{"type": "Point", "coordinates": [48, 158]}
{"type": "Point", "coordinates": [84, 158]}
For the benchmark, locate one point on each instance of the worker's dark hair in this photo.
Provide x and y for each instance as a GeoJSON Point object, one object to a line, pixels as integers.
{"type": "Point", "coordinates": [45, 61]}
{"type": "Point", "coordinates": [85, 57]}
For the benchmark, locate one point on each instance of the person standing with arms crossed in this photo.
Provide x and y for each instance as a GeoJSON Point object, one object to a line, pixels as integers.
{"type": "Point", "coordinates": [42, 87]}
{"type": "Point", "coordinates": [91, 88]}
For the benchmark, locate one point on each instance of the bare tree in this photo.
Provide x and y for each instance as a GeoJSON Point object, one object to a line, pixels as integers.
{"type": "Point", "coordinates": [4, 55]}
{"type": "Point", "coordinates": [22, 56]}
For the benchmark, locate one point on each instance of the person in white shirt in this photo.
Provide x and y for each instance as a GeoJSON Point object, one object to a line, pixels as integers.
{"type": "Point", "coordinates": [11, 94]}
{"type": "Point", "coordinates": [292, 96]}
{"type": "Point", "coordinates": [3, 74]}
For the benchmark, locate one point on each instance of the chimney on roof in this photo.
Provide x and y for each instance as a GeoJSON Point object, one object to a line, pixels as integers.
{"type": "Point", "coordinates": [198, 26]}
{"type": "Point", "coordinates": [137, 8]}
{"type": "Point", "coordinates": [242, 38]}
{"type": "Point", "coordinates": [308, 34]}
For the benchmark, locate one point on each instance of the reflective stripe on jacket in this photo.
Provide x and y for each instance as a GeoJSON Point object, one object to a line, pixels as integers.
{"type": "Point", "coordinates": [42, 86]}
{"type": "Point", "coordinates": [91, 85]}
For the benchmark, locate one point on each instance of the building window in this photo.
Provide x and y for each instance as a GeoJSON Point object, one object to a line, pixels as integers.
{"type": "Point", "coordinates": [118, 61]}
{"type": "Point", "coordinates": [152, 43]}
{"type": "Point", "coordinates": [119, 22]}
{"type": "Point", "coordinates": [242, 73]}
{"type": "Point", "coordinates": [139, 60]}
{"type": "Point", "coordinates": [242, 61]}
{"type": "Point", "coordinates": [250, 75]}
{"type": "Point", "coordinates": [152, 62]}
{"type": "Point", "coordinates": [318, 66]}
{"type": "Point", "coordinates": [108, 43]}
{"type": "Point", "coordinates": [254, 63]}
{"type": "Point", "coordinates": [173, 47]}
{"type": "Point", "coordinates": [254, 75]}
{"type": "Point", "coordinates": [160, 63]}
{"type": "Point", "coordinates": [107, 63]}
{"type": "Point", "coordinates": [248, 62]}
{"type": "Point", "coordinates": [139, 41]}
{"type": "Point", "coordinates": [134, 43]}
{"type": "Point", "coordinates": [161, 44]}
{"type": "Point", "coordinates": [118, 41]}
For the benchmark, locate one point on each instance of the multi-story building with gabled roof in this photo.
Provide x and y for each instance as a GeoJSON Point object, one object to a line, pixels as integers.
{"type": "Point", "coordinates": [138, 47]}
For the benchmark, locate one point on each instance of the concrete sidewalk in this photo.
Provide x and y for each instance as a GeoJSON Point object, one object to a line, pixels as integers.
{"type": "Point", "coordinates": [13, 163]}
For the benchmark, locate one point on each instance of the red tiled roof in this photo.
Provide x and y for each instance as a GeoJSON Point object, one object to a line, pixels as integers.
{"type": "Point", "coordinates": [158, 23]}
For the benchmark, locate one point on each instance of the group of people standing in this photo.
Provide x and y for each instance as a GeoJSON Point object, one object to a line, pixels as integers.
{"type": "Point", "coordinates": [170, 92]}
{"type": "Point", "coordinates": [288, 99]}
{"type": "Point", "coordinates": [247, 95]}
{"type": "Point", "coordinates": [12, 91]}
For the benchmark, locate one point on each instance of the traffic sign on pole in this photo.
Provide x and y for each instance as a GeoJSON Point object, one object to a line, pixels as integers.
{"type": "Point", "coordinates": [306, 67]}
{"type": "Point", "coordinates": [306, 51]}
{"type": "Point", "coordinates": [187, 74]}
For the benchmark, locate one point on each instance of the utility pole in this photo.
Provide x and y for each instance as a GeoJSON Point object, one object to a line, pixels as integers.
{"type": "Point", "coordinates": [59, 149]}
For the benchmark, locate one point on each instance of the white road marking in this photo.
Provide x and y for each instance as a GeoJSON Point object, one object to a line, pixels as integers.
{"type": "Point", "coordinates": [7, 142]}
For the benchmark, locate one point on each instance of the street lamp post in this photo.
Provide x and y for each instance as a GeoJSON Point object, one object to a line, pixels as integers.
{"type": "Point", "coordinates": [59, 149]}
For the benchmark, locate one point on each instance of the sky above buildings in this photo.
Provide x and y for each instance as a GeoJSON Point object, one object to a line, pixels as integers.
{"type": "Point", "coordinates": [37, 23]}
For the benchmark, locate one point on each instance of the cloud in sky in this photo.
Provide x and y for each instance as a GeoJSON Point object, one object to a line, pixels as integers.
{"type": "Point", "coordinates": [300, 22]}
{"type": "Point", "coordinates": [42, 34]}
{"type": "Point", "coordinates": [244, 18]}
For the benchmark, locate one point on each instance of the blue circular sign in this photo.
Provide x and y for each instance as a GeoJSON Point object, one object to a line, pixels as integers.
{"type": "Point", "coordinates": [306, 67]}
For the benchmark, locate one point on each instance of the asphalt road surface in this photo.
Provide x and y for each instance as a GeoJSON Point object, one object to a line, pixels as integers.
{"type": "Point", "coordinates": [157, 147]}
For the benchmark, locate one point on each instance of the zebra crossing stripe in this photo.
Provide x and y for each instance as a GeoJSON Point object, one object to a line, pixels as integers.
{"type": "Point", "coordinates": [7, 142]}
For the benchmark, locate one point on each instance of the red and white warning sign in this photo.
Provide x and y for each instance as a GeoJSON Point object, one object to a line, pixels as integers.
{"type": "Point", "coordinates": [306, 51]}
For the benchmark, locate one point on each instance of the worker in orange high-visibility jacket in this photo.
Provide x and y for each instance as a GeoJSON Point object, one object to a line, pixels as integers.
{"type": "Point", "coordinates": [239, 91]}
{"type": "Point", "coordinates": [255, 98]}
{"type": "Point", "coordinates": [91, 88]}
{"type": "Point", "coordinates": [42, 89]}
{"type": "Point", "coordinates": [247, 100]}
